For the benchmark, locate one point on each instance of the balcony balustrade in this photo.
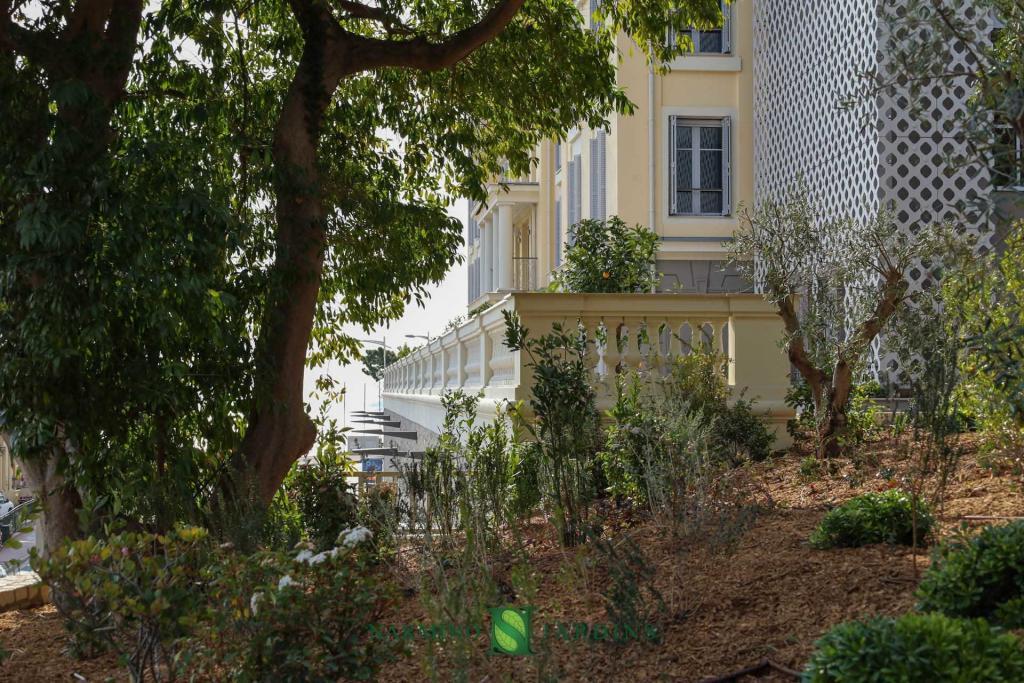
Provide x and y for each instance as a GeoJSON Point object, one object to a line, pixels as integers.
{"type": "Point", "coordinates": [640, 331]}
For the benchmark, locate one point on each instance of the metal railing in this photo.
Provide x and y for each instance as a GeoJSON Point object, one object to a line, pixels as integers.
{"type": "Point", "coordinates": [524, 273]}
{"type": "Point", "coordinates": [11, 522]}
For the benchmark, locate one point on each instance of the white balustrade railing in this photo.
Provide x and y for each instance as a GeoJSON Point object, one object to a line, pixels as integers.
{"type": "Point", "coordinates": [636, 331]}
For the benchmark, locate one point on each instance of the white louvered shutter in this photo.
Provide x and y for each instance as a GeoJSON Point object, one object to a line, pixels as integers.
{"type": "Point", "coordinates": [726, 166]}
{"type": "Point", "coordinates": [674, 209]}
{"type": "Point", "coordinates": [577, 198]}
{"type": "Point", "coordinates": [558, 227]}
{"type": "Point", "coordinates": [598, 177]}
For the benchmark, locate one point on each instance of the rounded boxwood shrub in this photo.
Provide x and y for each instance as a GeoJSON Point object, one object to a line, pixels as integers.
{"type": "Point", "coordinates": [981, 576]}
{"type": "Point", "coordinates": [885, 517]}
{"type": "Point", "coordinates": [925, 648]}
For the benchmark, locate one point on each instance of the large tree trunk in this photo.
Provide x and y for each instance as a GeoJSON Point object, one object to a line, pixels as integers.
{"type": "Point", "coordinates": [60, 502]}
{"type": "Point", "coordinates": [279, 430]}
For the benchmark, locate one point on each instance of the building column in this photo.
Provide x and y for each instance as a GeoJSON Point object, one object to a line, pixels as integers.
{"type": "Point", "coordinates": [505, 247]}
{"type": "Point", "coordinates": [485, 257]}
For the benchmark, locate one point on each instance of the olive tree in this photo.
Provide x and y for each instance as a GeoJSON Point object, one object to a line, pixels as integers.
{"type": "Point", "coordinates": [836, 283]}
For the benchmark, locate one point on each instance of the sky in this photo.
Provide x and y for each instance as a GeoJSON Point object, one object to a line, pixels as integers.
{"type": "Point", "coordinates": [447, 300]}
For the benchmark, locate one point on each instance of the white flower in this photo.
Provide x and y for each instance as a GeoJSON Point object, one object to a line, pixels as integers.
{"type": "Point", "coordinates": [285, 581]}
{"type": "Point", "coordinates": [304, 555]}
{"type": "Point", "coordinates": [255, 601]}
{"type": "Point", "coordinates": [351, 537]}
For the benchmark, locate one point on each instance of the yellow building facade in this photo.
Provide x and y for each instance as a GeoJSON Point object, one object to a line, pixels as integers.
{"type": "Point", "coordinates": [681, 164]}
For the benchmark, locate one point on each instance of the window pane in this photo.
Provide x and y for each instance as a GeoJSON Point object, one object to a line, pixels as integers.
{"type": "Point", "coordinates": [684, 169]}
{"type": "Point", "coordinates": [711, 137]}
{"type": "Point", "coordinates": [711, 169]}
{"type": "Point", "coordinates": [709, 41]}
{"type": "Point", "coordinates": [684, 202]}
{"type": "Point", "coordinates": [684, 137]}
{"type": "Point", "coordinates": [710, 201]}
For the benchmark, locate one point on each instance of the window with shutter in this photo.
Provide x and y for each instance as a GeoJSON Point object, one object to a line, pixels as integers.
{"type": "Point", "coordinates": [716, 41]}
{"type": "Point", "coordinates": [699, 167]}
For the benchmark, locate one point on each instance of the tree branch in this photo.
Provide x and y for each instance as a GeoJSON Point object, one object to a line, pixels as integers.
{"type": "Point", "coordinates": [419, 53]}
{"type": "Point", "coordinates": [357, 10]}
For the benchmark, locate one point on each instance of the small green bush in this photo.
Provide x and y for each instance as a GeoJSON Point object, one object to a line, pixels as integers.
{"type": "Point", "coordinates": [981, 576]}
{"type": "Point", "coordinates": [324, 496]}
{"type": "Point", "coordinates": [885, 517]}
{"type": "Point", "coordinates": [135, 594]}
{"type": "Point", "coordinates": [740, 434]}
{"type": "Point", "coordinates": [282, 616]}
{"type": "Point", "coordinates": [916, 648]}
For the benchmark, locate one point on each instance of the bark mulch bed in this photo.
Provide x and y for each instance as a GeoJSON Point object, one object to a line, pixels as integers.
{"type": "Point", "coordinates": [766, 595]}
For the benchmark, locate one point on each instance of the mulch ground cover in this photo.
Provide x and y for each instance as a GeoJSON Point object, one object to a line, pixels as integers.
{"type": "Point", "coordinates": [729, 605]}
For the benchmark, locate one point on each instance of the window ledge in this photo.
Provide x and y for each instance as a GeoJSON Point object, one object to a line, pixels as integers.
{"type": "Point", "coordinates": [706, 63]}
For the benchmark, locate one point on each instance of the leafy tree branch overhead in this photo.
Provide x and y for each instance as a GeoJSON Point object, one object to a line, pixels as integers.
{"type": "Point", "coordinates": [196, 196]}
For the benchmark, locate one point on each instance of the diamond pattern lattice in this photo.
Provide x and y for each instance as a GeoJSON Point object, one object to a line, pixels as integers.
{"type": "Point", "coordinates": [809, 57]}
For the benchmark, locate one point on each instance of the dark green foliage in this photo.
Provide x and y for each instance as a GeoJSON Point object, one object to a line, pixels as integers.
{"type": "Point", "coordinates": [609, 256]}
{"type": "Point", "coordinates": [886, 517]}
{"type": "Point", "coordinates": [980, 576]}
{"type": "Point", "coordinates": [916, 648]}
{"type": "Point", "coordinates": [566, 423]}
{"type": "Point", "coordinates": [379, 511]}
{"type": "Point", "coordinates": [283, 526]}
{"type": "Point", "coordinates": [275, 616]}
{"type": "Point", "coordinates": [740, 434]}
{"type": "Point", "coordinates": [324, 496]}
{"type": "Point", "coordinates": [374, 359]}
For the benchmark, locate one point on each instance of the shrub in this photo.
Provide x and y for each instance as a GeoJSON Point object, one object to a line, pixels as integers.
{"type": "Point", "coordinates": [282, 616]}
{"type": "Point", "coordinates": [379, 512]}
{"type": "Point", "coordinates": [885, 517]}
{"type": "Point", "coordinates": [654, 417]}
{"type": "Point", "coordinates": [567, 424]}
{"type": "Point", "coordinates": [740, 434]}
{"type": "Point", "coordinates": [916, 648]}
{"type": "Point", "coordinates": [981, 576]}
{"type": "Point", "coordinates": [609, 256]}
{"type": "Point", "coordinates": [133, 593]}
{"type": "Point", "coordinates": [323, 495]}
{"type": "Point", "coordinates": [283, 526]}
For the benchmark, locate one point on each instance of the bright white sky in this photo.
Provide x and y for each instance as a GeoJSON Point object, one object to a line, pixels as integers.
{"type": "Point", "coordinates": [447, 300]}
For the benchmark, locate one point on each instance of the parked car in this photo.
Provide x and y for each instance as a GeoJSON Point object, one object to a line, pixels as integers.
{"type": "Point", "coordinates": [5, 506]}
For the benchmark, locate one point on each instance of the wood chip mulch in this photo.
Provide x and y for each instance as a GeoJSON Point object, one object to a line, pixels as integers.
{"type": "Point", "coordinates": [763, 599]}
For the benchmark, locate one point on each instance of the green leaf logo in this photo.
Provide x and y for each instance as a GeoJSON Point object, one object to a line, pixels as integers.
{"type": "Point", "coordinates": [510, 630]}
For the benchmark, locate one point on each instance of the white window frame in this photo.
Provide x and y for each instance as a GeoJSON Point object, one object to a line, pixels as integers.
{"type": "Point", "coordinates": [725, 122]}
{"type": "Point", "coordinates": [726, 30]}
